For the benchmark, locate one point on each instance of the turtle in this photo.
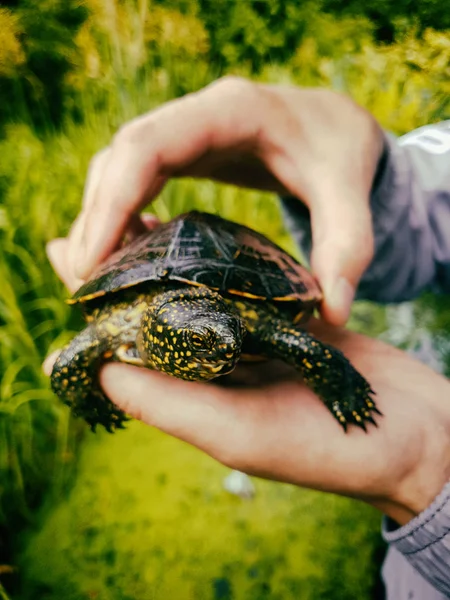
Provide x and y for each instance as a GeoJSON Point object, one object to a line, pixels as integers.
{"type": "Point", "coordinates": [191, 298]}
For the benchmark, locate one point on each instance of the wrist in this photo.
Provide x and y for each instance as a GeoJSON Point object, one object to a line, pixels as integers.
{"type": "Point", "coordinates": [420, 486]}
{"type": "Point", "coordinates": [403, 511]}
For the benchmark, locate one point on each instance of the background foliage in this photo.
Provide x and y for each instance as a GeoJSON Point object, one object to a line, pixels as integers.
{"type": "Point", "coordinates": [51, 51]}
{"type": "Point", "coordinates": [71, 71]}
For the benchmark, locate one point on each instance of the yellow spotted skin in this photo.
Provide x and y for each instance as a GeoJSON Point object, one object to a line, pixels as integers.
{"type": "Point", "coordinates": [324, 369]}
{"type": "Point", "coordinates": [196, 334]}
{"type": "Point", "coordinates": [192, 333]}
{"type": "Point", "coordinates": [189, 332]}
{"type": "Point", "coordinates": [110, 335]}
{"type": "Point", "coordinates": [191, 298]}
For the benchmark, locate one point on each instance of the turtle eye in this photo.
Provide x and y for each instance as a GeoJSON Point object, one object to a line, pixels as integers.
{"type": "Point", "coordinates": [197, 340]}
{"type": "Point", "coordinates": [201, 340]}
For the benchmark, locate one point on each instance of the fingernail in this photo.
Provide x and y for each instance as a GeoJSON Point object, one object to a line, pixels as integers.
{"type": "Point", "coordinates": [47, 365]}
{"type": "Point", "coordinates": [150, 221]}
{"type": "Point", "coordinates": [339, 299]}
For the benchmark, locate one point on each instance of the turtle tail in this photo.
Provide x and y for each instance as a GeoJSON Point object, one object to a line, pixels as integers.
{"type": "Point", "coordinates": [74, 380]}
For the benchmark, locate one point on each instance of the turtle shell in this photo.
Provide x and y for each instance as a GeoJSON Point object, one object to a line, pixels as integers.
{"type": "Point", "coordinates": [203, 249]}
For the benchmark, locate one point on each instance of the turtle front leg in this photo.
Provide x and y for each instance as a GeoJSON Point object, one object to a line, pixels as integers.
{"type": "Point", "coordinates": [325, 370]}
{"type": "Point", "coordinates": [74, 380]}
{"type": "Point", "coordinates": [110, 336]}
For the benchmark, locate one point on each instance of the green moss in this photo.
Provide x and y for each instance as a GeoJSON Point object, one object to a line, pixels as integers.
{"type": "Point", "coordinates": [148, 518]}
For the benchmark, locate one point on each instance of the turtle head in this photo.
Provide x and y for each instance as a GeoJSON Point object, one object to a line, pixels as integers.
{"type": "Point", "coordinates": [192, 333]}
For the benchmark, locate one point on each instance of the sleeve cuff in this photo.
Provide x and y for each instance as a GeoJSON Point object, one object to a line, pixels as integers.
{"type": "Point", "coordinates": [425, 541]}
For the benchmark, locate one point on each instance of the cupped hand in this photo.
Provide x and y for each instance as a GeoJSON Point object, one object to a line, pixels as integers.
{"type": "Point", "coordinates": [314, 144]}
{"type": "Point", "coordinates": [264, 421]}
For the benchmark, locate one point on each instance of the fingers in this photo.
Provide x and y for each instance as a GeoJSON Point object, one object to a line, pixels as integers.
{"type": "Point", "coordinates": [197, 413]}
{"type": "Point", "coordinates": [149, 149]}
{"type": "Point", "coordinates": [261, 431]}
{"type": "Point", "coordinates": [239, 428]}
{"type": "Point", "coordinates": [200, 414]}
{"type": "Point", "coordinates": [327, 156]}
{"type": "Point", "coordinates": [94, 175]}
{"type": "Point", "coordinates": [58, 252]}
{"type": "Point", "coordinates": [341, 218]}
{"type": "Point", "coordinates": [139, 224]}
{"type": "Point", "coordinates": [136, 225]}
{"type": "Point", "coordinates": [76, 233]}
{"type": "Point", "coordinates": [343, 248]}
{"type": "Point", "coordinates": [315, 144]}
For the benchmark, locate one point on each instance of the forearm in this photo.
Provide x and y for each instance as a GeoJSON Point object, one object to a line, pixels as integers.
{"type": "Point", "coordinates": [411, 218]}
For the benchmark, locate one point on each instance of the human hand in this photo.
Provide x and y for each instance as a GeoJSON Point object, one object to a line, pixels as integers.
{"type": "Point", "coordinates": [263, 420]}
{"type": "Point", "coordinates": [315, 144]}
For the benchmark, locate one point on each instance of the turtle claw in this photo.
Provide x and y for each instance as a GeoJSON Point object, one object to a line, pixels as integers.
{"type": "Point", "coordinates": [361, 425]}
{"type": "Point", "coordinates": [325, 369]}
{"type": "Point", "coordinates": [354, 412]}
{"type": "Point", "coordinates": [360, 420]}
{"type": "Point", "coordinates": [96, 409]}
{"type": "Point", "coordinates": [371, 420]}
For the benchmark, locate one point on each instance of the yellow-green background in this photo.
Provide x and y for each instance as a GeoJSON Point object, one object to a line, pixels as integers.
{"type": "Point", "coordinates": [138, 515]}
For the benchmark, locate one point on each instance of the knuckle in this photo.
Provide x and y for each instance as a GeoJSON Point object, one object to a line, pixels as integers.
{"type": "Point", "coordinates": [235, 87]}
{"type": "Point", "coordinates": [128, 134]}
{"type": "Point", "coordinates": [98, 159]}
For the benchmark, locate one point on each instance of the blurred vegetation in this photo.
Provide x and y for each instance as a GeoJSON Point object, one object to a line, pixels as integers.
{"type": "Point", "coordinates": [36, 49]}
{"type": "Point", "coordinates": [393, 16]}
{"type": "Point", "coordinates": [159, 525]}
{"type": "Point", "coordinates": [71, 71]}
{"type": "Point", "coordinates": [58, 55]}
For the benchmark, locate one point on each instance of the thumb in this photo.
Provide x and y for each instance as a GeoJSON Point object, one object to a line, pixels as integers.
{"type": "Point", "coordinates": [342, 248]}
{"type": "Point", "coordinates": [197, 413]}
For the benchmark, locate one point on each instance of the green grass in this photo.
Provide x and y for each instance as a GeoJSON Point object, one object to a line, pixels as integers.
{"type": "Point", "coordinates": [147, 518]}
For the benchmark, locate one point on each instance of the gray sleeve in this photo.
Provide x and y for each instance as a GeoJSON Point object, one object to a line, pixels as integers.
{"type": "Point", "coordinates": [425, 543]}
{"type": "Point", "coordinates": [403, 582]}
{"type": "Point", "coordinates": [411, 218]}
